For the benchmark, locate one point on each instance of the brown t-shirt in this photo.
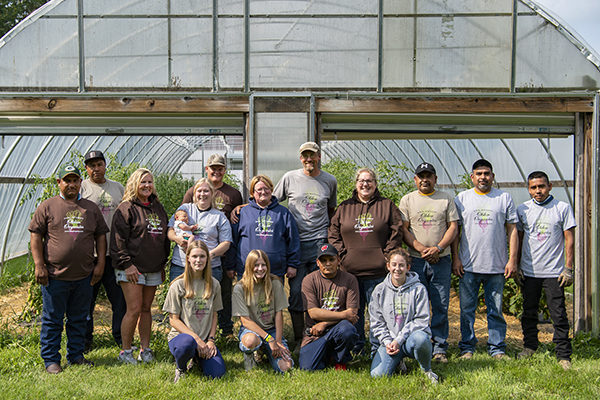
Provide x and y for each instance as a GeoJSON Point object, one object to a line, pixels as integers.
{"type": "Point", "coordinates": [337, 294]}
{"type": "Point", "coordinates": [226, 198]}
{"type": "Point", "coordinates": [68, 231]}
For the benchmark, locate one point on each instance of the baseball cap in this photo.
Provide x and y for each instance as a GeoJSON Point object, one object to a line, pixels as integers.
{"type": "Point", "coordinates": [216, 159]}
{"type": "Point", "coordinates": [90, 155]}
{"type": "Point", "coordinates": [310, 146]}
{"type": "Point", "coordinates": [68, 170]}
{"type": "Point", "coordinates": [425, 167]}
{"type": "Point", "coordinates": [326, 250]}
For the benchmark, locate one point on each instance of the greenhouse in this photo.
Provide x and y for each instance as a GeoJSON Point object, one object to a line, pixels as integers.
{"type": "Point", "coordinates": [166, 83]}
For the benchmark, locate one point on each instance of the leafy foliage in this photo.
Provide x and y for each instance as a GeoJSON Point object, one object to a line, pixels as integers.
{"type": "Point", "coordinates": [343, 170]}
{"type": "Point", "coordinates": [13, 11]}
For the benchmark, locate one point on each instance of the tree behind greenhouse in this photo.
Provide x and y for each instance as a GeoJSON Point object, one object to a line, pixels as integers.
{"type": "Point", "coordinates": [14, 11]}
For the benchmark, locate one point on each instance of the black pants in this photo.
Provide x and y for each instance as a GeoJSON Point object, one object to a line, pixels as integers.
{"type": "Point", "coordinates": [555, 295]}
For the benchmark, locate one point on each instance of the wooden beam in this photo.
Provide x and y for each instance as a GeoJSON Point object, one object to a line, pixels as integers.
{"type": "Point", "coordinates": [123, 104]}
{"type": "Point", "coordinates": [455, 105]}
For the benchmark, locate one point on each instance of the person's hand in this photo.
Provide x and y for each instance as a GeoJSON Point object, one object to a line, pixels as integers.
{"type": "Point", "coordinates": [231, 273]}
{"type": "Point", "coordinates": [566, 277]}
{"type": "Point", "coordinates": [351, 316]}
{"type": "Point", "coordinates": [275, 350]}
{"type": "Point", "coordinates": [97, 274]}
{"type": "Point", "coordinates": [431, 254]}
{"type": "Point", "coordinates": [393, 348]}
{"type": "Point", "coordinates": [132, 274]}
{"type": "Point", "coordinates": [235, 215]}
{"type": "Point", "coordinates": [457, 268]}
{"type": "Point", "coordinates": [519, 277]}
{"type": "Point", "coordinates": [291, 272]}
{"type": "Point", "coordinates": [510, 270]}
{"type": "Point", "coordinates": [211, 349]}
{"type": "Point", "coordinates": [41, 275]}
{"type": "Point", "coordinates": [318, 329]}
{"type": "Point", "coordinates": [284, 352]}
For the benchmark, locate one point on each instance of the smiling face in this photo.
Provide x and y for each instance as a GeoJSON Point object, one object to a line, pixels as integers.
{"type": "Point", "coordinates": [69, 186]}
{"type": "Point", "coordinates": [215, 173]}
{"type": "Point", "coordinates": [145, 188]}
{"type": "Point", "coordinates": [203, 196]}
{"type": "Point", "coordinates": [197, 260]}
{"type": "Point", "coordinates": [365, 186]}
{"type": "Point", "coordinates": [260, 269]}
{"type": "Point", "coordinates": [96, 169]}
{"type": "Point", "coordinates": [310, 161]}
{"type": "Point", "coordinates": [539, 189]}
{"type": "Point", "coordinates": [425, 182]}
{"type": "Point", "coordinates": [397, 266]}
{"type": "Point", "coordinates": [482, 179]}
{"type": "Point", "coordinates": [262, 194]}
{"type": "Point", "coordinates": [328, 265]}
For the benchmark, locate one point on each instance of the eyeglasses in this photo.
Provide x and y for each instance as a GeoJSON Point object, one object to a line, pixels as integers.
{"type": "Point", "coordinates": [367, 181]}
{"type": "Point", "coordinates": [309, 155]}
{"type": "Point", "coordinates": [263, 190]}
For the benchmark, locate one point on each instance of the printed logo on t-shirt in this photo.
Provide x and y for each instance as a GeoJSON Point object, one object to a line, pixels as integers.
{"type": "Point", "coordinates": [364, 225]}
{"type": "Point", "coordinates": [310, 199]}
{"type": "Point", "coordinates": [74, 223]}
{"type": "Point", "coordinates": [330, 300]}
{"type": "Point", "coordinates": [426, 216]}
{"type": "Point", "coordinates": [264, 227]}
{"type": "Point", "coordinates": [219, 203]}
{"type": "Point", "coordinates": [105, 203]}
{"type": "Point", "coordinates": [198, 231]}
{"type": "Point", "coordinates": [200, 307]}
{"type": "Point", "coordinates": [400, 310]}
{"type": "Point", "coordinates": [483, 216]}
{"type": "Point", "coordinates": [542, 229]}
{"type": "Point", "coordinates": [153, 226]}
{"type": "Point", "coordinates": [264, 309]}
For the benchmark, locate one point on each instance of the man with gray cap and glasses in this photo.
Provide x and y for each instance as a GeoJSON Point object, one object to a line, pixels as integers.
{"type": "Point", "coordinates": [429, 225]}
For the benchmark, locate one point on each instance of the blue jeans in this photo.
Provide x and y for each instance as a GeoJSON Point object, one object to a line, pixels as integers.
{"type": "Point", "coordinates": [417, 346]}
{"type": "Point", "coordinates": [336, 343]}
{"type": "Point", "coordinates": [184, 348]}
{"type": "Point", "coordinates": [308, 264]}
{"type": "Point", "coordinates": [365, 289]}
{"type": "Point", "coordinates": [493, 287]}
{"type": "Point", "coordinates": [436, 279]}
{"type": "Point", "coordinates": [60, 298]}
{"type": "Point", "coordinates": [117, 302]}
{"type": "Point", "coordinates": [265, 347]}
{"type": "Point", "coordinates": [175, 271]}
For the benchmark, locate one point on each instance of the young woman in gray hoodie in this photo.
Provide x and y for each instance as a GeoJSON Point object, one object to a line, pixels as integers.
{"type": "Point", "coordinates": [399, 311]}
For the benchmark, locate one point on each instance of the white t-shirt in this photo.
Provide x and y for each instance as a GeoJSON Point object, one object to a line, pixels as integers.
{"type": "Point", "coordinates": [543, 227]}
{"type": "Point", "coordinates": [483, 241]}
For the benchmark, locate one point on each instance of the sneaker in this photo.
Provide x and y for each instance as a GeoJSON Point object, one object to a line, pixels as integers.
{"type": "Point", "coordinates": [179, 373]}
{"type": "Point", "coordinates": [340, 367]}
{"type": "Point", "coordinates": [249, 361]}
{"type": "Point", "coordinates": [258, 356]}
{"type": "Point", "coordinates": [146, 356]}
{"type": "Point", "coordinates": [565, 364]}
{"type": "Point", "coordinates": [433, 377]}
{"type": "Point", "coordinates": [466, 356]}
{"type": "Point", "coordinates": [126, 356]}
{"type": "Point", "coordinates": [440, 358]}
{"type": "Point", "coordinates": [82, 361]}
{"type": "Point", "coordinates": [526, 353]}
{"type": "Point", "coordinates": [501, 357]}
{"type": "Point", "coordinates": [54, 369]}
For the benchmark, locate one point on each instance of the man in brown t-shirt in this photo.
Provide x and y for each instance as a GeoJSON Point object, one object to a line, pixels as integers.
{"type": "Point", "coordinates": [65, 230]}
{"type": "Point", "coordinates": [330, 297]}
{"type": "Point", "coordinates": [226, 199]}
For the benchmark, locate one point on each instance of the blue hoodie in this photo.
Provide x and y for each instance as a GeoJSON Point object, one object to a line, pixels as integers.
{"type": "Point", "coordinates": [397, 312]}
{"type": "Point", "coordinates": [272, 230]}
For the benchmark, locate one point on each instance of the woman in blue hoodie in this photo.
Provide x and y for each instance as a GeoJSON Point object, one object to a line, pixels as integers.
{"type": "Point", "coordinates": [399, 311]}
{"type": "Point", "coordinates": [268, 226]}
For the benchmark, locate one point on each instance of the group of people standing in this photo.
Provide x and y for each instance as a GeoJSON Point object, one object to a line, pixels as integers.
{"type": "Point", "coordinates": [338, 262]}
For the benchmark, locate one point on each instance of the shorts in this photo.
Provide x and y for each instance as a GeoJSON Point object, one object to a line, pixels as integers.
{"type": "Point", "coordinates": [147, 279]}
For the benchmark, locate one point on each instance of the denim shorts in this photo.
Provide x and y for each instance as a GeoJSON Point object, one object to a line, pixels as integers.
{"type": "Point", "coordinates": [147, 279]}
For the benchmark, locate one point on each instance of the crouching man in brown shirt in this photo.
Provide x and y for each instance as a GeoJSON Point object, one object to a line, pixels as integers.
{"type": "Point", "coordinates": [330, 297]}
{"type": "Point", "coordinates": [64, 230]}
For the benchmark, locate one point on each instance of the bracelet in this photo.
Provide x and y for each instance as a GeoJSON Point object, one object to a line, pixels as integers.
{"type": "Point", "coordinates": [211, 338]}
{"type": "Point", "coordinates": [439, 248]}
{"type": "Point", "coordinates": [268, 338]}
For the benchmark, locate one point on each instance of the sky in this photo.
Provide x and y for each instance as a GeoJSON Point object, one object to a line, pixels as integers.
{"type": "Point", "coordinates": [581, 15]}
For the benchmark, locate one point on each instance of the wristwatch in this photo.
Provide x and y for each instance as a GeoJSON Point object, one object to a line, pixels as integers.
{"type": "Point", "coordinates": [439, 248]}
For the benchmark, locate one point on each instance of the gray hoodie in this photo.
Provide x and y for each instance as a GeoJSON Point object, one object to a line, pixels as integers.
{"type": "Point", "coordinates": [397, 312]}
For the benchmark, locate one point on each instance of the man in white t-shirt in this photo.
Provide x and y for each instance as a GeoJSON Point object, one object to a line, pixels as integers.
{"type": "Point", "coordinates": [429, 225]}
{"type": "Point", "coordinates": [546, 231]}
{"type": "Point", "coordinates": [107, 195]}
{"type": "Point", "coordinates": [486, 217]}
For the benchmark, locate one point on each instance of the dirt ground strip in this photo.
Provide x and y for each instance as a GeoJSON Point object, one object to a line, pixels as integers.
{"type": "Point", "coordinates": [12, 303]}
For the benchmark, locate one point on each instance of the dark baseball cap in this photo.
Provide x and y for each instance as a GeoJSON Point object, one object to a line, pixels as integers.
{"type": "Point", "coordinates": [90, 155]}
{"type": "Point", "coordinates": [326, 250]}
{"type": "Point", "coordinates": [425, 167]}
{"type": "Point", "coordinates": [68, 170]}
